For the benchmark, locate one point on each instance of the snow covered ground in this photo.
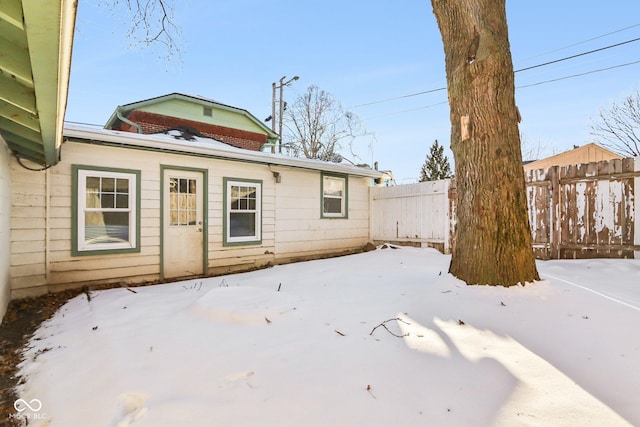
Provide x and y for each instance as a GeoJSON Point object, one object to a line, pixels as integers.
{"type": "Point", "coordinates": [385, 338]}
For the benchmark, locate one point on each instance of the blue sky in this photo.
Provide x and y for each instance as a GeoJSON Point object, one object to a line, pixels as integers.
{"type": "Point", "coordinates": [361, 53]}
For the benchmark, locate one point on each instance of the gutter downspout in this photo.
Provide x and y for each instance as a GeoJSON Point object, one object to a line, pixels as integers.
{"type": "Point", "coordinates": [127, 121]}
{"type": "Point", "coordinates": [47, 228]}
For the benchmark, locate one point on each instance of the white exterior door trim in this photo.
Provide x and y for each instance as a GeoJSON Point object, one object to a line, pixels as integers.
{"type": "Point", "coordinates": [183, 222]}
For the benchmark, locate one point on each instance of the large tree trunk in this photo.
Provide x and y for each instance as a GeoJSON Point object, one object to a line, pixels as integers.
{"type": "Point", "coordinates": [493, 242]}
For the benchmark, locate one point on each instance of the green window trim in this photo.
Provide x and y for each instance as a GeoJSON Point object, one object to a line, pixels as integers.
{"type": "Point", "coordinates": [123, 195]}
{"type": "Point", "coordinates": [334, 198]}
{"type": "Point", "coordinates": [242, 212]}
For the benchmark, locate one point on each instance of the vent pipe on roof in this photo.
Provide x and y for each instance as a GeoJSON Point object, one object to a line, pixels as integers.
{"type": "Point", "coordinates": [127, 121]}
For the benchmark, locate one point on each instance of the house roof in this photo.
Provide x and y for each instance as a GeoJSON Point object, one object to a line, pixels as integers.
{"type": "Point", "coordinates": [114, 120]}
{"type": "Point", "coordinates": [36, 38]}
{"type": "Point", "coordinates": [207, 147]}
{"type": "Point", "coordinates": [585, 154]}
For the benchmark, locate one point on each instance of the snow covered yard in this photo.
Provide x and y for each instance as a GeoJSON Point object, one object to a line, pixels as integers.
{"type": "Point", "coordinates": [385, 338]}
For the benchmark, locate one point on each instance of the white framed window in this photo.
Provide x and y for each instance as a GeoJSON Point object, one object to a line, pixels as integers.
{"type": "Point", "coordinates": [334, 196]}
{"type": "Point", "coordinates": [106, 210]}
{"type": "Point", "coordinates": [243, 211]}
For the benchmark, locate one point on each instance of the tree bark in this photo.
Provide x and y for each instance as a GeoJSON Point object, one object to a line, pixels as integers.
{"type": "Point", "coordinates": [493, 243]}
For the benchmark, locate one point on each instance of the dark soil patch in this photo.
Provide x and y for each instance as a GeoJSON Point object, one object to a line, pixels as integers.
{"type": "Point", "coordinates": [22, 319]}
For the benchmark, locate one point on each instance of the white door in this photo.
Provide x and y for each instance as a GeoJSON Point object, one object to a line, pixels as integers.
{"type": "Point", "coordinates": [183, 228]}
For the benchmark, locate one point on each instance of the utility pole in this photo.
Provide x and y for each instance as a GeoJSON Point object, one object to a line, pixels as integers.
{"type": "Point", "coordinates": [281, 109]}
{"type": "Point", "coordinates": [273, 114]}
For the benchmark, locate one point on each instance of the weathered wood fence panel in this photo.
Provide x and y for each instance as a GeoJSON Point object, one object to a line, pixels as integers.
{"type": "Point", "coordinates": [584, 211]}
{"type": "Point", "coordinates": [578, 211]}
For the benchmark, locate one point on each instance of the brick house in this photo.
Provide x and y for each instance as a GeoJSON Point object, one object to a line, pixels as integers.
{"type": "Point", "coordinates": [196, 115]}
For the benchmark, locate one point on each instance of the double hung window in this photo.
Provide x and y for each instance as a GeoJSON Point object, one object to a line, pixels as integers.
{"type": "Point", "coordinates": [334, 196]}
{"type": "Point", "coordinates": [243, 211]}
{"type": "Point", "coordinates": [105, 213]}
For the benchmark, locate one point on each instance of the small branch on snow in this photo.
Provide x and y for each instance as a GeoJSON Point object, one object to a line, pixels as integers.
{"type": "Point", "coordinates": [339, 333]}
{"type": "Point", "coordinates": [197, 286]}
{"type": "Point", "coordinates": [369, 390]}
{"type": "Point", "coordinates": [87, 293]}
{"type": "Point", "coordinates": [383, 324]}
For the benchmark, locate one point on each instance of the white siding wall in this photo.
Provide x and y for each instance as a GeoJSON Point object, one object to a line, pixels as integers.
{"type": "Point", "coordinates": [28, 230]}
{"type": "Point", "coordinates": [5, 227]}
{"type": "Point", "coordinates": [228, 258]}
{"type": "Point", "coordinates": [300, 230]}
{"type": "Point", "coordinates": [291, 224]}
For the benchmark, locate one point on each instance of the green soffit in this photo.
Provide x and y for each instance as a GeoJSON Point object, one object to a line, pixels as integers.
{"type": "Point", "coordinates": [36, 39]}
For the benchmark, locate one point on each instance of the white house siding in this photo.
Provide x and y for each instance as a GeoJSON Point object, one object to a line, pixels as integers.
{"type": "Point", "coordinates": [301, 232]}
{"type": "Point", "coordinates": [223, 259]}
{"type": "Point", "coordinates": [5, 228]}
{"type": "Point", "coordinates": [28, 230]}
{"type": "Point", "coordinates": [291, 223]}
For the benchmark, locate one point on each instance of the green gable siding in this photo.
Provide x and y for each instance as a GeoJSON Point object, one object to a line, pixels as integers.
{"type": "Point", "coordinates": [193, 111]}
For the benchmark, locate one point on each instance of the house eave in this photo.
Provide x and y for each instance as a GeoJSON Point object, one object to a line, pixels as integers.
{"type": "Point", "coordinates": [166, 143]}
{"type": "Point", "coordinates": [34, 73]}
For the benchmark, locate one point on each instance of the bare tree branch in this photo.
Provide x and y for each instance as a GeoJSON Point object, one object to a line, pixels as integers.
{"type": "Point", "coordinates": [316, 125]}
{"type": "Point", "coordinates": [152, 22]}
{"type": "Point", "coordinates": [383, 324]}
{"type": "Point", "coordinates": [619, 127]}
{"type": "Point", "coordinates": [535, 150]}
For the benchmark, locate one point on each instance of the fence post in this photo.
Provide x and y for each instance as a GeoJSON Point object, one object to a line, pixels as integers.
{"type": "Point", "coordinates": [555, 213]}
{"type": "Point", "coordinates": [451, 213]}
{"type": "Point", "coordinates": [447, 222]}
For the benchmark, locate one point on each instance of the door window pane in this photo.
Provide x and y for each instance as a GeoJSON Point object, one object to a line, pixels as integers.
{"type": "Point", "coordinates": [182, 201]}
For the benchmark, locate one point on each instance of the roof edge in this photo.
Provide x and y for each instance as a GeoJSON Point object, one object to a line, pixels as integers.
{"type": "Point", "coordinates": [230, 153]}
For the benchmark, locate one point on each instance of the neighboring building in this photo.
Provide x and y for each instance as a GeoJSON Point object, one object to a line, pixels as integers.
{"type": "Point", "coordinates": [126, 208]}
{"type": "Point", "coordinates": [197, 115]}
{"type": "Point", "coordinates": [36, 38]}
{"type": "Point", "coordinates": [586, 154]}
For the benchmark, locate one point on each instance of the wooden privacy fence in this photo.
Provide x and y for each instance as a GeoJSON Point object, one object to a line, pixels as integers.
{"type": "Point", "coordinates": [412, 213]}
{"type": "Point", "coordinates": [586, 210]}
{"type": "Point", "coordinates": [578, 211]}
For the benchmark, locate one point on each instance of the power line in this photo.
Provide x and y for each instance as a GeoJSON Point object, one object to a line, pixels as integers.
{"type": "Point", "coordinates": [400, 97]}
{"type": "Point", "coordinates": [409, 110]}
{"type": "Point", "coordinates": [521, 87]}
{"type": "Point", "coordinates": [580, 42]}
{"type": "Point", "coordinates": [515, 71]}
{"type": "Point", "coordinates": [577, 55]}
{"type": "Point", "coordinates": [580, 74]}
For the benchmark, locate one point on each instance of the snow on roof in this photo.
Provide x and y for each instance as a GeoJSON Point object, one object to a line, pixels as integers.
{"type": "Point", "coordinates": [209, 147]}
